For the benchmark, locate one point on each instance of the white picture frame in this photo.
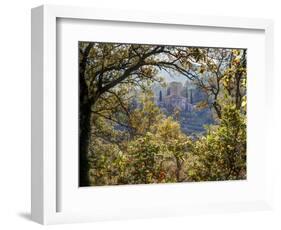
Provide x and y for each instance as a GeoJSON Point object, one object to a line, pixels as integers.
{"type": "Point", "coordinates": [45, 90]}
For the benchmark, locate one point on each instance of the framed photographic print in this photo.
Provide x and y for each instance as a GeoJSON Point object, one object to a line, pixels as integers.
{"type": "Point", "coordinates": [142, 114]}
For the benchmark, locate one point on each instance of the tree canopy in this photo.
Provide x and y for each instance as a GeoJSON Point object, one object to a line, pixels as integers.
{"type": "Point", "coordinates": [125, 138]}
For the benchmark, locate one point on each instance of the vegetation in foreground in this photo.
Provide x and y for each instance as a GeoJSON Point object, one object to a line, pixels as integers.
{"type": "Point", "coordinates": [125, 138]}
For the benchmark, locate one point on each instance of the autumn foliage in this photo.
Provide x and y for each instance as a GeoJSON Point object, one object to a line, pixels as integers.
{"type": "Point", "coordinates": [125, 138]}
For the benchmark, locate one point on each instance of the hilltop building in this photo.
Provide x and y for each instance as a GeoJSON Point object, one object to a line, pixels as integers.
{"type": "Point", "coordinates": [173, 98]}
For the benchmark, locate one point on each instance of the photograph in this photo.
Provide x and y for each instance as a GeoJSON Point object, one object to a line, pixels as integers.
{"type": "Point", "coordinates": [154, 113]}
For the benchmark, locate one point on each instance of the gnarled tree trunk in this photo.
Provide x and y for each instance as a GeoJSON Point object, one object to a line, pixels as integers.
{"type": "Point", "coordinates": [84, 121]}
{"type": "Point", "coordinates": [84, 141]}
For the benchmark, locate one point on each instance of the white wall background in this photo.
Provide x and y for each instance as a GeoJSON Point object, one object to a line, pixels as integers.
{"type": "Point", "coordinates": [15, 113]}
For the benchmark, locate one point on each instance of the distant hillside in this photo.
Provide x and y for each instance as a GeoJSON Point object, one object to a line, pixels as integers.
{"type": "Point", "coordinates": [181, 100]}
